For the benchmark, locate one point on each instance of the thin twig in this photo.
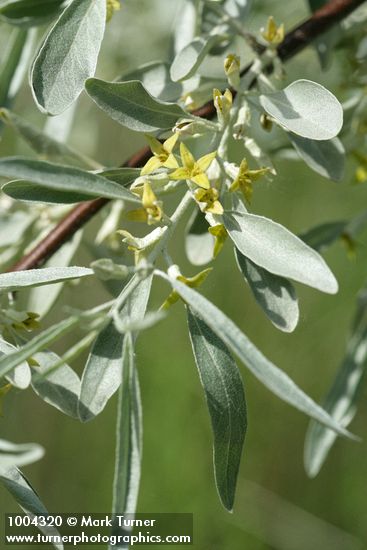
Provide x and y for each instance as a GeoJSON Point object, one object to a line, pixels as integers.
{"type": "Point", "coordinates": [294, 42]}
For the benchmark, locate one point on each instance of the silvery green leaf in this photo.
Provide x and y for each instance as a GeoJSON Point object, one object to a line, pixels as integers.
{"type": "Point", "coordinates": [324, 157]}
{"type": "Point", "coordinates": [68, 55]}
{"type": "Point", "coordinates": [65, 180]}
{"type": "Point", "coordinates": [275, 295]}
{"type": "Point", "coordinates": [42, 298]}
{"type": "Point", "coordinates": [128, 438]}
{"type": "Point", "coordinates": [122, 176]}
{"type": "Point", "coordinates": [105, 269]}
{"type": "Point", "coordinates": [271, 376]}
{"type": "Point", "coordinates": [28, 192]}
{"type": "Point", "coordinates": [224, 393]}
{"type": "Point", "coordinates": [21, 490]}
{"type": "Point", "coordinates": [305, 108]}
{"type": "Point", "coordinates": [237, 8]}
{"type": "Point", "coordinates": [185, 24]}
{"type": "Point", "coordinates": [16, 280]}
{"type": "Point", "coordinates": [14, 64]}
{"type": "Point", "coordinates": [156, 79]}
{"type": "Point", "coordinates": [12, 454]}
{"type": "Point", "coordinates": [102, 373]}
{"type": "Point", "coordinates": [341, 399]}
{"type": "Point", "coordinates": [271, 246]}
{"type": "Point", "coordinates": [199, 243]}
{"type": "Point", "coordinates": [20, 377]}
{"type": "Point", "coordinates": [131, 105]}
{"type": "Point", "coordinates": [150, 319]}
{"type": "Point", "coordinates": [30, 13]}
{"type": "Point", "coordinates": [41, 341]}
{"type": "Point", "coordinates": [41, 143]}
{"type": "Point", "coordinates": [13, 226]}
{"type": "Point", "coordinates": [60, 387]}
{"type": "Point", "coordinates": [189, 59]}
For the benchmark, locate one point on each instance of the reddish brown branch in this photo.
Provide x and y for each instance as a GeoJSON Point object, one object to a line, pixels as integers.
{"type": "Point", "coordinates": [295, 41]}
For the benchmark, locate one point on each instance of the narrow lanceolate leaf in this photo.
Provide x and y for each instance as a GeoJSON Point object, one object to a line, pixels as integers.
{"type": "Point", "coordinates": [12, 454]}
{"type": "Point", "coordinates": [271, 376]}
{"type": "Point", "coordinates": [59, 388]}
{"type": "Point", "coordinates": [305, 108]}
{"type": "Point", "coordinates": [324, 235]}
{"type": "Point", "coordinates": [30, 13]}
{"type": "Point", "coordinates": [225, 397]}
{"type": "Point", "coordinates": [128, 438]}
{"type": "Point", "coordinates": [22, 491]}
{"type": "Point", "coordinates": [189, 59]}
{"type": "Point", "coordinates": [68, 55]}
{"type": "Point", "coordinates": [16, 280]}
{"type": "Point", "coordinates": [42, 298]}
{"type": "Point", "coordinates": [341, 400]}
{"type": "Point", "coordinates": [199, 243]}
{"type": "Point", "coordinates": [39, 342]}
{"type": "Point", "coordinates": [131, 105]}
{"type": "Point", "coordinates": [46, 146]}
{"type": "Point", "coordinates": [14, 64]}
{"type": "Point", "coordinates": [271, 246]}
{"type": "Point", "coordinates": [122, 176]}
{"type": "Point", "coordinates": [102, 374]}
{"type": "Point", "coordinates": [58, 178]}
{"type": "Point", "coordinates": [20, 377]}
{"type": "Point", "coordinates": [274, 294]}
{"type": "Point", "coordinates": [324, 157]}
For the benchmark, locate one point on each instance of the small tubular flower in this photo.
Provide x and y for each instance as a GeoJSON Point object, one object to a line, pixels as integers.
{"type": "Point", "coordinates": [193, 170]}
{"type": "Point", "coordinates": [151, 212]}
{"type": "Point", "coordinates": [232, 69]}
{"type": "Point", "coordinates": [192, 282]}
{"type": "Point", "coordinates": [220, 234]}
{"type": "Point", "coordinates": [222, 104]}
{"type": "Point", "coordinates": [162, 154]}
{"type": "Point", "coordinates": [245, 179]}
{"type": "Point", "coordinates": [209, 197]}
{"type": "Point", "coordinates": [273, 34]}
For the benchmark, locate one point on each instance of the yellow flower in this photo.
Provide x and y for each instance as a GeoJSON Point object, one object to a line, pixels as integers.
{"type": "Point", "coordinates": [273, 34]}
{"type": "Point", "coordinates": [220, 234]}
{"type": "Point", "coordinates": [192, 282]}
{"type": "Point", "coordinates": [152, 208]}
{"type": "Point", "coordinates": [222, 103]}
{"type": "Point", "coordinates": [210, 198]}
{"type": "Point", "coordinates": [193, 170]}
{"type": "Point", "coordinates": [246, 178]}
{"type": "Point", "coordinates": [232, 69]}
{"type": "Point", "coordinates": [162, 154]}
{"type": "Point", "coordinates": [111, 7]}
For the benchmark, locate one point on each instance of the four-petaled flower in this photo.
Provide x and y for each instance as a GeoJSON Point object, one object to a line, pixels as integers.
{"type": "Point", "coordinates": [193, 170]}
{"type": "Point", "coordinates": [152, 208]}
{"type": "Point", "coordinates": [245, 179]}
{"type": "Point", "coordinates": [273, 34]}
{"type": "Point", "coordinates": [162, 154]}
{"type": "Point", "coordinates": [210, 198]}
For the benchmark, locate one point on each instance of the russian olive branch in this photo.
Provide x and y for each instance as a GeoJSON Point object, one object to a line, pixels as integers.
{"type": "Point", "coordinates": [294, 42]}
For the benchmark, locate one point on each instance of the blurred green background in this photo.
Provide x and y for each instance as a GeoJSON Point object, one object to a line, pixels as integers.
{"type": "Point", "coordinates": [277, 506]}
